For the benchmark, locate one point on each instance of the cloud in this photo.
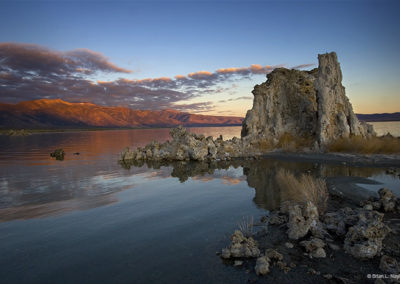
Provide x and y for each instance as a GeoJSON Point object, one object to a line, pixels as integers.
{"type": "Point", "coordinates": [200, 75]}
{"type": "Point", "coordinates": [301, 66]}
{"type": "Point", "coordinates": [241, 98]}
{"type": "Point", "coordinates": [31, 59]}
{"type": "Point", "coordinates": [204, 80]}
{"type": "Point", "coordinates": [236, 99]}
{"type": "Point", "coordinates": [196, 107]}
{"type": "Point", "coordinates": [29, 72]}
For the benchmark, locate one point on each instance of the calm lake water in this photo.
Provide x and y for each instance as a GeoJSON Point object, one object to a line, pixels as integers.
{"type": "Point", "coordinates": [88, 219]}
{"type": "Point", "coordinates": [382, 128]}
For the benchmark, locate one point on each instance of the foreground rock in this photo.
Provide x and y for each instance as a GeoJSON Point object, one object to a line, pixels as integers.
{"type": "Point", "coordinates": [309, 105]}
{"type": "Point", "coordinates": [322, 246]}
{"type": "Point", "coordinates": [364, 239]}
{"type": "Point", "coordinates": [302, 218]}
{"type": "Point", "coordinates": [387, 201]}
{"type": "Point", "coordinates": [389, 265]}
{"type": "Point", "coordinates": [315, 247]}
{"type": "Point", "coordinates": [262, 265]}
{"type": "Point", "coordinates": [241, 247]}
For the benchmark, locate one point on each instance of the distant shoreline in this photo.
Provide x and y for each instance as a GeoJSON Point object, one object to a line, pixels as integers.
{"type": "Point", "coordinates": [61, 130]}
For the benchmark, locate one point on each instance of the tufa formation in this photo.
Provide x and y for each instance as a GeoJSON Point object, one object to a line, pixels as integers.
{"type": "Point", "coordinates": [293, 109]}
{"type": "Point", "coordinates": [304, 104]}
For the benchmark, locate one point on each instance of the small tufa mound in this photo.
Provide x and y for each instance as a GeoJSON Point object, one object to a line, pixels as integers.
{"type": "Point", "coordinates": [302, 218]}
{"type": "Point", "coordinates": [241, 247]}
{"type": "Point", "coordinates": [58, 154]}
{"type": "Point", "coordinates": [363, 229]}
{"type": "Point", "coordinates": [315, 247]}
{"type": "Point", "coordinates": [387, 201]}
{"type": "Point", "coordinates": [262, 265]}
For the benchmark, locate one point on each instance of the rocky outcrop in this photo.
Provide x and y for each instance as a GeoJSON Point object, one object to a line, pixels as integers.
{"type": "Point", "coordinates": [363, 229]}
{"type": "Point", "coordinates": [364, 240]}
{"type": "Point", "coordinates": [293, 110]}
{"type": "Point", "coordinates": [309, 105]}
{"type": "Point", "coordinates": [189, 146]}
{"type": "Point", "coordinates": [387, 201]}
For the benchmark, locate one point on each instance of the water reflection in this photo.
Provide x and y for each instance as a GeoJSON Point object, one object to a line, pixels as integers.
{"type": "Point", "coordinates": [34, 185]}
{"type": "Point", "coordinates": [260, 175]}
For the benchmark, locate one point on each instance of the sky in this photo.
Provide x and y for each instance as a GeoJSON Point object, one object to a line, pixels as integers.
{"type": "Point", "coordinates": [196, 56]}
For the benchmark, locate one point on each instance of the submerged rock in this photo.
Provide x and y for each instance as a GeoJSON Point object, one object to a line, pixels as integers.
{"type": "Point", "coordinates": [241, 247]}
{"type": "Point", "coordinates": [273, 254]}
{"type": "Point", "coordinates": [58, 154]}
{"type": "Point", "coordinates": [18, 132]}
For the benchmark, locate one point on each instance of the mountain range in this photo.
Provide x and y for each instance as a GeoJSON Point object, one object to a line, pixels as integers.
{"type": "Point", "coordinates": [395, 116]}
{"type": "Point", "coordinates": [57, 113]}
{"type": "Point", "coordinates": [54, 114]}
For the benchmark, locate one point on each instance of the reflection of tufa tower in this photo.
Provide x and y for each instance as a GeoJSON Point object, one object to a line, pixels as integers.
{"type": "Point", "coordinates": [308, 104]}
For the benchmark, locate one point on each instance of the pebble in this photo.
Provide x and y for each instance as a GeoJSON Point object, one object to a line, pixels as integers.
{"type": "Point", "coordinates": [238, 263]}
{"type": "Point", "coordinates": [289, 245]}
{"type": "Point", "coordinates": [328, 276]}
{"type": "Point", "coordinates": [313, 271]}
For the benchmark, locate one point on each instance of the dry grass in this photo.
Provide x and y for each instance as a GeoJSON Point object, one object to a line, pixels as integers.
{"type": "Point", "coordinates": [264, 144]}
{"type": "Point", "coordinates": [246, 226]}
{"type": "Point", "coordinates": [289, 142]}
{"type": "Point", "coordinates": [375, 145]}
{"type": "Point", "coordinates": [305, 188]}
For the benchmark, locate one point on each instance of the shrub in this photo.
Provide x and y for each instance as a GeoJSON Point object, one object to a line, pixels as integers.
{"type": "Point", "coordinates": [374, 145]}
{"type": "Point", "coordinates": [246, 226]}
{"type": "Point", "coordinates": [305, 188]}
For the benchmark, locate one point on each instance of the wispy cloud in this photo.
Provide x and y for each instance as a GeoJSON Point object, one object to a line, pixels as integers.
{"type": "Point", "coordinates": [301, 66]}
{"type": "Point", "coordinates": [236, 99]}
